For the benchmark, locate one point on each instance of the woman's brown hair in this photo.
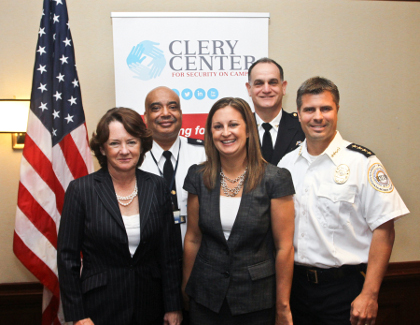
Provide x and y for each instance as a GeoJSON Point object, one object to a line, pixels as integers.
{"type": "Point", "coordinates": [133, 124]}
{"type": "Point", "coordinates": [256, 163]}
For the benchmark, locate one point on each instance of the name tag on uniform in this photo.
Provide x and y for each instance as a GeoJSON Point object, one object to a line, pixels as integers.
{"type": "Point", "coordinates": [178, 219]}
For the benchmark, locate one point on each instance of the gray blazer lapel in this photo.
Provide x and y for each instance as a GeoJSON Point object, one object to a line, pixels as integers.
{"type": "Point", "coordinates": [106, 192]}
{"type": "Point", "coordinates": [215, 210]}
{"type": "Point", "coordinates": [243, 213]}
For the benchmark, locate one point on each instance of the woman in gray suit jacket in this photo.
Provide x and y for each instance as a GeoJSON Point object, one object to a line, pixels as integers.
{"type": "Point", "coordinates": [119, 219]}
{"type": "Point", "coordinates": [238, 250]}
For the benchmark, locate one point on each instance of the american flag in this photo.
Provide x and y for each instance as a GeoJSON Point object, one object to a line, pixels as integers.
{"type": "Point", "coordinates": [56, 152]}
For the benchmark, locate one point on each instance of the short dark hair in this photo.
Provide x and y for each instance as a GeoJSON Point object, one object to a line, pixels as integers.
{"type": "Point", "coordinates": [133, 124]}
{"type": "Point", "coordinates": [265, 60]}
{"type": "Point", "coordinates": [317, 85]}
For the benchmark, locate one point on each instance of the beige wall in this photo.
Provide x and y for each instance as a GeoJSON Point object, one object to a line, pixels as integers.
{"type": "Point", "coordinates": [369, 49]}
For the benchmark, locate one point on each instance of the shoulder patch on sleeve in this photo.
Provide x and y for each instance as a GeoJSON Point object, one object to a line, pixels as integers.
{"type": "Point", "coordinates": [379, 179]}
{"type": "Point", "coordinates": [195, 141]}
{"type": "Point", "coordinates": [360, 149]}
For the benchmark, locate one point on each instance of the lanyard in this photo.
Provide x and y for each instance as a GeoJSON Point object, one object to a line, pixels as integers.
{"type": "Point", "coordinates": [176, 166]}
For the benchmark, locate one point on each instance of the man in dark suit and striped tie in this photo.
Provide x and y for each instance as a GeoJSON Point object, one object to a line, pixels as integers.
{"type": "Point", "coordinates": [279, 131]}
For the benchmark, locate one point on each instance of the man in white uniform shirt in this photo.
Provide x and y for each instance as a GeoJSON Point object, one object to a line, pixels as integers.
{"type": "Point", "coordinates": [163, 116]}
{"type": "Point", "coordinates": [345, 207]}
{"type": "Point", "coordinates": [279, 131]}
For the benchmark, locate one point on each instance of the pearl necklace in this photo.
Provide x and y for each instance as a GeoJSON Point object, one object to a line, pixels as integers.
{"type": "Point", "coordinates": [231, 192]}
{"type": "Point", "coordinates": [128, 198]}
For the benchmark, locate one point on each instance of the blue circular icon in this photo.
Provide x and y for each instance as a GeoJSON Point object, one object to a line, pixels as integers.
{"type": "Point", "coordinates": [212, 93]}
{"type": "Point", "coordinates": [176, 91]}
{"type": "Point", "coordinates": [187, 94]}
{"type": "Point", "coordinates": [146, 60]}
{"type": "Point", "coordinates": [200, 93]}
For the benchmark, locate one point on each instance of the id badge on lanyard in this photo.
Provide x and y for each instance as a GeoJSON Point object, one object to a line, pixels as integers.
{"type": "Point", "coordinates": [178, 218]}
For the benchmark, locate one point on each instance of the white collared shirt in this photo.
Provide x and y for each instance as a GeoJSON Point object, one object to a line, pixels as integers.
{"type": "Point", "coordinates": [189, 154]}
{"type": "Point", "coordinates": [334, 222]}
{"type": "Point", "coordinates": [273, 131]}
{"type": "Point", "coordinates": [160, 158]}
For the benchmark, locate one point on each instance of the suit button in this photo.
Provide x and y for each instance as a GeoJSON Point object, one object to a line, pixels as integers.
{"type": "Point", "coordinates": [226, 274]}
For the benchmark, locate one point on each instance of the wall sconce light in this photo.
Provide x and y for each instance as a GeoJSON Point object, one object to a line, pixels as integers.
{"type": "Point", "coordinates": [14, 119]}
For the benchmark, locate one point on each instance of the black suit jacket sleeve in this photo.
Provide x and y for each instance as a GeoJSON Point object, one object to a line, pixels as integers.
{"type": "Point", "coordinates": [69, 248]}
{"type": "Point", "coordinates": [170, 256]}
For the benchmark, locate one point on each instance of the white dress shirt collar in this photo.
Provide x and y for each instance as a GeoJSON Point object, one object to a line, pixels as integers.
{"type": "Point", "coordinates": [333, 150]}
{"type": "Point", "coordinates": [157, 152]}
{"type": "Point", "coordinates": [274, 123]}
{"type": "Point", "coordinates": [273, 131]}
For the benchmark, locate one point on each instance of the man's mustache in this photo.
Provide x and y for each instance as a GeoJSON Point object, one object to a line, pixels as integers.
{"type": "Point", "coordinates": [166, 119]}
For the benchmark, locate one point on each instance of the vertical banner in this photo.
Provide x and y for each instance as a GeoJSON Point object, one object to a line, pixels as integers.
{"type": "Point", "coordinates": [201, 56]}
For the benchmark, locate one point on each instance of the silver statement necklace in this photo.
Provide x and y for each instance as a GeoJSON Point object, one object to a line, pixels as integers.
{"type": "Point", "coordinates": [128, 198]}
{"type": "Point", "coordinates": [231, 192]}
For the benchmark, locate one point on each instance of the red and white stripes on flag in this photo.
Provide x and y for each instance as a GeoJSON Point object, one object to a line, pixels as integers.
{"type": "Point", "coordinates": [56, 151]}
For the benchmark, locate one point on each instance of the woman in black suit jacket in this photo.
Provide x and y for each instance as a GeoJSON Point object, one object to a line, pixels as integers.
{"type": "Point", "coordinates": [238, 249]}
{"type": "Point", "coordinates": [120, 220]}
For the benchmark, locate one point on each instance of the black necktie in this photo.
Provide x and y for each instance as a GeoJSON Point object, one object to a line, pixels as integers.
{"type": "Point", "coordinates": [267, 143]}
{"type": "Point", "coordinates": [168, 174]}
